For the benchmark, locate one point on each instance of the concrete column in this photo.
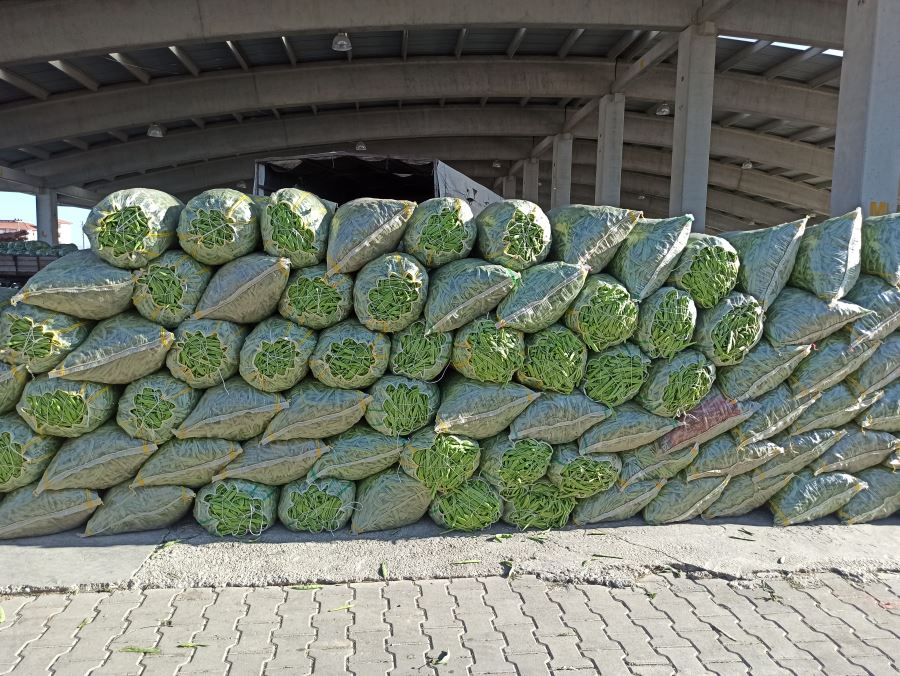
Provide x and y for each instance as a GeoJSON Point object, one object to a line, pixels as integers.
{"type": "Point", "coordinates": [610, 136]}
{"type": "Point", "coordinates": [693, 120]}
{"type": "Point", "coordinates": [561, 186]}
{"type": "Point", "coordinates": [47, 217]}
{"type": "Point", "coordinates": [508, 188]}
{"type": "Point", "coordinates": [530, 180]}
{"type": "Point", "coordinates": [867, 149]}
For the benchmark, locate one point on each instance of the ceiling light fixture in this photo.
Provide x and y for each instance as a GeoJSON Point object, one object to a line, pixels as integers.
{"type": "Point", "coordinates": [241, 185]}
{"type": "Point", "coordinates": [360, 146]}
{"type": "Point", "coordinates": [496, 164]}
{"type": "Point", "coordinates": [664, 109]}
{"type": "Point", "coordinates": [747, 164]}
{"type": "Point", "coordinates": [642, 197]}
{"type": "Point", "coordinates": [341, 42]}
{"type": "Point", "coordinates": [156, 130]}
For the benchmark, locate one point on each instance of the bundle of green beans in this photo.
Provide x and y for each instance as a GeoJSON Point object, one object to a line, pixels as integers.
{"type": "Point", "coordinates": [164, 287]}
{"type": "Point", "coordinates": [11, 460]}
{"type": "Point", "coordinates": [472, 506]}
{"type": "Point", "coordinates": [168, 289]}
{"type": "Point", "coordinates": [316, 505]}
{"type": "Point", "coordinates": [290, 231]}
{"type": "Point", "coordinates": [39, 339]}
{"type": "Point", "coordinates": [707, 269]}
{"type": "Point", "coordinates": [349, 359]}
{"type": "Point", "coordinates": [315, 300]}
{"type": "Point", "coordinates": [555, 360]}
{"type": "Point", "coordinates": [512, 465]}
{"type": "Point", "coordinates": [58, 408]}
{"type": "Point", "coordinates": [540, 505]}
{"type": "Point", "coordinates": [666, 323]}
{"type": "Point", "coordinates": [236, 507]}
{"type": "Point", "coordinates": [604, 313]}
{"type": "Point", "coordinates": [401, 405]}
{"type": "Point", "coordinates": [676, 386]}
{"type": "Point", "coordinates": [29, 339]}
{"type": "Point", "coordinates": [123, 231]}
{"type": "Point", "coordinates": [524, 237]}
{"type": "Point", "coordinates": [151, 408]}
{"type": "Point", "coordinates": [393, 298]}
{"type": "Point", "coordinates": [201, 354]}
{"type": "Point", "coordinates": [615, 375]}
{"type": "Point", "coordinates": [581, 476]}
{"type": "Point", "coordinates": [440, 461]}
{"type": "Point", "coordinates": [274, 358]}
{"type": "Point", "coordinates": [727, 332]}
{"type": "Point", "coordinates": [444, 236]}
{"type": "Point", "coordinates": [483, 352]}
{"type": "Point", "coordinates": [420, 356]}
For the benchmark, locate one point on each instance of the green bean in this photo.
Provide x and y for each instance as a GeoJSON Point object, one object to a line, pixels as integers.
{"type": "Point", "coordinates": [393, 298]}
{"type": "Point", "coordinates": [418, 355]}
{"type": "Point", "coordinates": [539, 506]}
{"type": "Point", "coordinates": [405, 409]}
{"type": "Point", "coordinates": [554, 360]}
{"type": "Point", "coordinates": [615, 375]}
{"type": "Point", "coordinates": [11, 460]}
{"type": "Point", "coordinates": [736, 333]}
{"type": "Point", "coordinates": [522, 464]}
{"type": "Point", "coordinates": [235, 512]}
{"type": "Point", "coordinates": [151, 409]}
{"type": "Point", "coordinates": [449, 461]}
{"type": "Point", "coordinates": [212, 228]}
{"type": "Point", "coordinates": [290, 230]}
{"type": "Point", "coordinates": [30, 339]}
{"type": "Point", "coordinates": [349, 359]}
{"type": "Point", "coordinates": [585, 476]}
{"type": "Point", "coordinates": [58, 408]}
{"type": "Point", "coordinates": [275, 358]}
{"type": "Point", "coordinates": [314, 298]}
{"type": "Point", "coordinates": [443, 233]}
{"type": "Point", "coordinates": [316, 511]}
{"type": "Point", "coordinates": [484, 352]}
{"type": "Point", "coordinates": [200, 354]}
{"type": "Point", "coordinates": [523, 239]}
{"type": "Point", "coordinates": [711, 276]}
{"type": "Point", "coordinates": [163, 285]}
{"type": "Point", "coordinates": [686, 387]}
{"type": "Point", "coordinates": [472, 506]}
{"type": "Point", "coordinates": [606, 318]}
{"type": "Point", "coordinates": [123, 231]}
{"type": "Point", "coordinates": [671, 325]}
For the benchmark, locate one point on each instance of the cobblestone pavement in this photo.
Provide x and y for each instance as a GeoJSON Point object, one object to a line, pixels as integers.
{"type": "Point", "coordinates": [665, 624]}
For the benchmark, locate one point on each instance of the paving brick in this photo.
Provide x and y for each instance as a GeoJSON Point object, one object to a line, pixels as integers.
{"type": "Point", "coordinates": [297, 611]}
{"type": "Point", "coordinates": [728, 668]}
{"type": "Point", "coordinates": [876, 664]}
{"type": "Point", "coordinates": [592, 635]}
{"type": "Point", "coordinates": [488, 657]}
{"type": "Point", "coordinates": [755, 655]}
{"type": "Point", "coordinates": [608, 662]}
{"type": "Point", "coordinates": [684, 659]}
{"type": "Point", "coordinates": [826, 654]}
{"type": "Point", "coordinates": [505, 603]}
{"type": "Point", "coordinates": [661, 633]}
{"type": "Point", "coordinates": [638, 604]}
{"type": "Point", "coordinates": [801, 667]}
{"type": "Point", "coordinates": [678, 610]}
{"type": "Point", "coordinates": [530, 663]}
{"type": "Point", "coordinates": [709, 646]}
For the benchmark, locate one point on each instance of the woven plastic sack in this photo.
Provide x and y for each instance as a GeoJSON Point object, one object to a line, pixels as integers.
{"type": "Point", "coordinates": [186, 462]}
{"type": "Point", "coordinates": [629, 427]}
{"type": "Point", "coordinates": [420, 356]}
{"type": "Point", "coordinates": [884, 414]}
{"type": "Point", "coordinates": [12, 384]}
{"type": "Point", "coordinates": [24, 455]}
{"type": "Point", "coordinates": [681, 500]}
{"type": "Point", "coordinates": [389, 292]}
{"type": "Point", "coordinates": [23, 514]}
{"type": "Point", "coordinates": [219, 225]}
{"type": "Point", "coordinates": [401, 405]}
{"type": "Point", "coordinates": [480, 410]}
{"type": "Point", "coordinates": [880, 370]}
{"type": "Point", "coordinates": [440, 230]}
{"type": "Point", "coordinates": [776, 411]}
{"type": "Point", "coordinates": [294, 224]}
{"type": "Point", "coordinates": [799, 318]}
{"type": "Point", "coordinates": [666, 323]}
{"type": "Point", "coordinates": [513, 233]}
{"type": "Point", "coordinates": [363, 229]}
{"type": "Point", "coordinates": [558, 418]}
{"type": "Point", "coordinates": [828, 261]}
{"type": "Point", "coordinates": [767, 257]}
{"type": "Point", "coordinates": [856, 451]}
{"type": "Point", "coordinates": [39, 339]}
{"type": "Point", "coordinates": [358, 453]}
{"type": "Point", "coordinates": [245, 290]}
{"type": "Point", "coordinates": [442, 462]}
{"type": "Point", "coordinates": [616, 504]}
{"type": "Point", "coordinates": [836, 406]}
{"type": "Point", "coordinates": [317, 411]}
{"type": "Point", "coordinates": [79, 284]}
{"type": "Point", "coordinates": [742, 495]}
{"type": "Point", "coordinates": [511, 465]}
{"type": "Point", "coordinates": [881, 247]}
{"type": "Point", "coordinates": [581, 476]}
{"type": "Point", "coordinates": [118, 350]}
{"type": "Point", "coordinates": [540, 505]}
{"type": "Point", "coordinates": [707, 269]}
{"type": "Point", "coordinates": [472, 506]}
{"type": "Point", "coordinates": [153, 406]}
{"type": "Point", "coordinates": [880, 500]}
{"type": "Point", "coordinates": [763, 369]}
{"type": "Point", "coordinates": [276, 463]}
{"type": "Point", "coordinates": [713, 416]}
{"type": "Point", "coordinates": [129, 228]}
{"type": "Point", "coordinates": [807, 497]}
{"type": "Point", "coordinates": [893, 462]}
{"type": "Point", "coordinates": [236, 508]}
{"type": "Point", "coordinates": [322, 505]}
{"type": "Point", "coordinates": [168, 289]}
{"type": "Point", "coordinates": [723, 457]}
{"type": "Point", "coordinates": [487, 353]}
{"type": "Point", "coordinates": [603, 314]}
{"type": "Point", "coordinates": [131, 510]}
{"type": "Point", "coordinates": [676, 386]}
{"type": "Point", "coordinates": [883, 299]}
{"type": "Point", "coordinates": [648, 464]}
{"type": "Point", "coordinates": [799, 451]}
{"type": "Point", "coordinates": [6, 294]}
{"type": "Point", "coordinates": [275, 356]}
{"type": "Point", "coordinates": [65, 408]}
{"type": "Point", "coordinates": [584, 234]}
{"type": "Point", "coordinates": [315, 300]}
{"type": "Point", "coordinates": [833, 359]}
{"type": "Point", "coordinates": [206, 352]}
{"type": "Point", "coordinates": [649, 254]}
{"type": "Point", "coordinates": [464, 290]}
{"type": "Point", "coordinates": [234, 410]}
{"type": "Point", "coordinates": [616, 374]}
{"type": "Point", "coordinates": [728, 331]}
{"type": "Point", "coordinates": [99, 459]}
{"type": "Point", "coordinates": [542, 296]}
{"type": "Point", "coordinates": [350, 356]}
{"type": "Point", "coordinates": [389, 500]}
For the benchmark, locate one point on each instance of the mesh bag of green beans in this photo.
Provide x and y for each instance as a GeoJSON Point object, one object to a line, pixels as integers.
{"type": "Point", "coordinates": [236, 508]}
{"type": "Point", "coordinates": [884, 414]}
{"type": "Point", "coordinates": [763, 369]}
{"type": "Point", "coordinates": [275, 355]}
{"type": "Point", "coordinates": [799, 318]}
{"type": "Point", "coordinates": [542, 296]}
{"type": "Point", "coordinates": [629, 427]}
{"type": "Point", "coordinates": [713, 416]}
{"type": "Point", "coordinates": [24, 514]}
{"type": "Point", "coordinates": [219, 225]}
{"type": "Point", "coordinates": [24, 455]}
{"type": "Point", "coordinates": [363, 229]}
{"type": "Point", "coordinates": [880, 370]}
{"type": "Point", "coordinates": [676, 386]}
{"type": "Point", "coordinates": [558, 418]}
{"type": "Point", "coordinates": [881, 247]}
{"type": "Point", "coordinates": [584, 234]}
{"type": "Point", "coordinates": [65, 408]}
{"type": "Point", "coordinates": [883, 300]}
{"type": "Point", "coordinates": [767, 257]}
{"type": "Point", "coordinates": [206, 351]}
{"type": "Point", "coordinates": [441, 462]}
{"type": "Point", "coordinates": [417, 355]}
{"type": "Point", "coordinates": [880, 499]}
{"type": "Point", "coordinates": [401, 405]}
{"type": "Point", "coordinates": [12, 383]}
{"type": "Point", "coordinates": [776, 411]}
{"type": "Point", "coordinates": [389, 292]}
{"type": "Point", "coordinates": [39, 339]}
{"type": "Point", "coordinates": [6, 295]}
{"type": "Point", "coordinates": [603, 314]}
{"type": "Point", "coordinates": [799, 451]}
{"type": "Point", "coordinates": [473, 505]}
{"type": "Point", "coordinates": [666, 323]}
{"type": "Point", "coordinates": [681, 500]}
{"type": "Point", "coordinates": [836, 406]}
{"type": "Point", "coordinates": [315, 300]}
{"type": "Point", "coordinates": [540, 505]}
{"type": "Point", "coordinates": [616, 504]}
{"type": "Point", "coordinates": [707, 269]}
{"type": "Point", "coordinates": [245, 290]}
{"type": "Point", "coordinates": [616, 374]}
{"type": "Point", "coordinates": [463, 290]}
{"type": "Point", "coordinates": [233, 410]}
{"type": "Point", "coordinates": [581, 476]}
{"type": "Point", "coordinates": [480, 410]}
{"type": "Point", "coordinates": [129, 228]}
{"type": "Point", "coordinates": [486, 353]}
{"type": "Point", "coordinates": [358, 453]}
{"type": "Point", "coordinates": [856, 451]}
{"type": "Point", "coordinates": [808, 497]}
{"type": "Point", "coordinates": [153, 406]}
{"type": "Point", "coordinates": [169, 288]}
{"type": "Point", "coordinates": [512, 465]}
{"type": "Point", "coordinates": [555, 360]}
{"type": "Point", "coordinates": [118, 350]}
{"type": "Point", "coordinates": [728, 331]}
{"type": "Point", "coordinates": [829, 258]}
{"type": "Point", "coordinates": [294, 224]}
{"type": "Point", "coordinates": [391, 499]}
{"type": "Point", "coordinates": [724, 457]}
{"type": "Point", "coordinates": [348, 355]}
{"type": "Point", "coordinates": [130, 510]}
{"type": "Point", "coordinates": [833, 359]}
{"type": "Point", "coordinates": [317, 411]}
{"type": "Point", "coordinates": [275, 463]}
{"type": "Point", "coordinates": [743, 494]}
{"type": "Point", "coordinates": [316, 506]}
{"type": "Point", "coordinates": [102, 290]}
{"type": "Point", "coordinates": [440, 230]}
{"type": "Point", "coordinates": [647, 463]}
{"type": "Point", "coordinates": [649, 253]}
{"type": "Point", "coordinates": [513, 233]}
{"type": "Point", "coordinates": [186, 462]}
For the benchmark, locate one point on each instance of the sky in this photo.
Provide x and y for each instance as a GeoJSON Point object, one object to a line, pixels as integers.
{"type": "Point", "coordinates": [20, 205]}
